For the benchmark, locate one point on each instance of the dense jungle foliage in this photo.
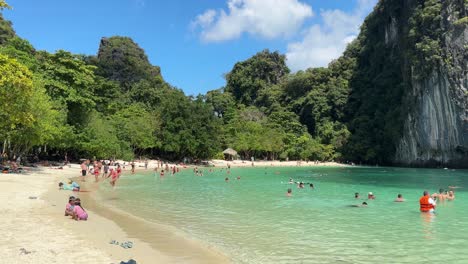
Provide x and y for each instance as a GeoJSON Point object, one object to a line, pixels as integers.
{"type": "Point", "coordinates": [117, 105]}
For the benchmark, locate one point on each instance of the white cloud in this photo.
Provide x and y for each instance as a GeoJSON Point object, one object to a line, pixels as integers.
{"type": "Point", "coordinates": [323, 43]}
{"type": "Point", "coordinates": [265, 18]}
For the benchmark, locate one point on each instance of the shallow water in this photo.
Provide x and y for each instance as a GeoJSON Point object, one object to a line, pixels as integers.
{"type": "Point", "coordinates": [253, 221]}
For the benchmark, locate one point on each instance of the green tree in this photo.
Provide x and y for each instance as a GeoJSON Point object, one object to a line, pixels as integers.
{"type": "Point", "coordinates": [16, 91]}
{"type": "Point", "coordinates": [259, 72]}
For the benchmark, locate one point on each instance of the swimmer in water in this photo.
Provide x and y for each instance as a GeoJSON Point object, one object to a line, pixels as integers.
{"type": "Point", "coordinates": [238, 177]}
{"type": "Point", "coordinates": [370, 196]}
{"type": "Point", "coordinates": [291, 181]}
{"type": "Point", "coordinates": [451, 196]}
{"type": "Point", "coordinates": [289, 193]}
{"type": "Point", "coordinates": [301, 185]}
{"type": "Point", "coordinates": [227, 179]}
{"type": "Point", "coordinates": [399, 198]}
{"type": "Point", "coordinates": [312, 186]}
{"type": "Point", "coordinates": [364, 204]}
{"type": "Point", "coordinates": [439, 196]}
{"type": "Point", "coordinates": [356, 196]}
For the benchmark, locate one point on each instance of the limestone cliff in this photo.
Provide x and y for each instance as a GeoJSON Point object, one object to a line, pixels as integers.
{"type": "Point", "coordinates": [436, 126]}
{"type": "Point", "coordinates": [408, 99]}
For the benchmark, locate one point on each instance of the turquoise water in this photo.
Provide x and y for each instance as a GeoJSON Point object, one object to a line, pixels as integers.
{"type": "Point", "coordinates": [253, 221]}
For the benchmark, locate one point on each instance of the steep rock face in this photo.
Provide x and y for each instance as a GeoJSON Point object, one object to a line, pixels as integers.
{"type": "Point", "coordinates": [436, 127]}
{"type": "Point", "coordinates": [121, 59]}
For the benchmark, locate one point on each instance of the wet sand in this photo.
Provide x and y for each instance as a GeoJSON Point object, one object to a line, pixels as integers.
{"type": "Point", "coordinates": [152, 242]}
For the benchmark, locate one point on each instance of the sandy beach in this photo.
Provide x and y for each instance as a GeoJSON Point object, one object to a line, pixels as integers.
{"type": "Point", "coordinates": [36, 231]}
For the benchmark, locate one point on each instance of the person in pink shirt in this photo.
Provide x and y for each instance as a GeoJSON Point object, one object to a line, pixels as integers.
{"type": "Point", "coordinates": [69, 206]}
{"type": "Point", "coordinates": [114, 176]}
{"type": "Point", "coordinates": [78, 212]}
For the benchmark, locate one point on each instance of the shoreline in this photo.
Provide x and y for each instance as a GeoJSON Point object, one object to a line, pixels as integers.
{"type": "Point", "coordinates": [35, 223]}
{"type": "Point", "coordinates": [34, 227]}
{"type": "Point", "coordinates": [274, 163]}
{"type": "Point", "coordinates": [152, 242]}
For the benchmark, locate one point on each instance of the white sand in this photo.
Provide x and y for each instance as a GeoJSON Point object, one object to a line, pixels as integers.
{"type": "Point", "coordinates": [26, 224]}
{"type": "Point", "coordinates": [39, 228]}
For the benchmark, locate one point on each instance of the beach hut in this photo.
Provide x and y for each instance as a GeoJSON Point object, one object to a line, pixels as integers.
{"type": "Point", "coordinates": [230, 153]}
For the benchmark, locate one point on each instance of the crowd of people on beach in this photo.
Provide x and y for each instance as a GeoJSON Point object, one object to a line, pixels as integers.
{"type": "Point", "coordinates": [102, 170]}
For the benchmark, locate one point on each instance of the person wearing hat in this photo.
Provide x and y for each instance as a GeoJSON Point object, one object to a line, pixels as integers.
{"type": "Point", "coordinates": [370, 196]}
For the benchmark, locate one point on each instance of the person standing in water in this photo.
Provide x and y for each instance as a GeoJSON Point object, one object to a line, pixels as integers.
{"type": "Point", "coordinates": [439, 196]}
{"type": "Point", "coordinates": [289, 193]}
{"type": "Point", "coordinates": [451, 196]}
{"type": "Point", "coordinates": [426, 203]}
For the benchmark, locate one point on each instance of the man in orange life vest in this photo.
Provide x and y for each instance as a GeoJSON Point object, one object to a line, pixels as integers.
{"type": "Point", "coordinates": [426, 203]}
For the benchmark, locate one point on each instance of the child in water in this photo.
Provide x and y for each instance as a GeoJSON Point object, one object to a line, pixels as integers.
{"type": "Point", "coordinates": [289, 193]}
{"type": "Point", "coordinates": [78, 212]}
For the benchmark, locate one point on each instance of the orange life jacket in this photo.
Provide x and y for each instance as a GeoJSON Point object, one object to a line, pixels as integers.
{"type": "Point", "coordinates": [424, 204]}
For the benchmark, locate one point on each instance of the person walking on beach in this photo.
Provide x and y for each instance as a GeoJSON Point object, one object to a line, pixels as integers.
{"type": "Point", "coordinates": [84, 169]}
{"type": "Point", "coordinates": [133, 167]}
{"type": "Point", "coordinates": [96, 172]}
{"type": "Point", "coordinates": [146, 164]}
{"type": "Point", "coordinates": [106, 169]}
{"type": "Point", "coordinates": [114, 177]}
{"type": "Point", "coordinates": [426, 203]}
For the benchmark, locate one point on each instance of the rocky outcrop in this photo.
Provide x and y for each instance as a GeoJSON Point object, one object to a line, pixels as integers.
{"type": "Point", "coordinates": [436, 127]}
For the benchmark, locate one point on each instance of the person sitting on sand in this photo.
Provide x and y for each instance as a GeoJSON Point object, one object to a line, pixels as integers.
{"type": "Point", "coordinates": [399, 198]}
{"type": "Point", "coordinates": [370, 196]}
{"type": "Point", "coordinates": [451, 196]}
{"type": "Point", "coordinates": [289, 193]}
{"type": "Point", "coordinates": [78, 212]}
{"type": "Point", "coordinates": [70, 205]}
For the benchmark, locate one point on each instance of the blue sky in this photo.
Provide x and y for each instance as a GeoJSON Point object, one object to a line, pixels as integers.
{"type": "Point", "coordinates": [196, 41]}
